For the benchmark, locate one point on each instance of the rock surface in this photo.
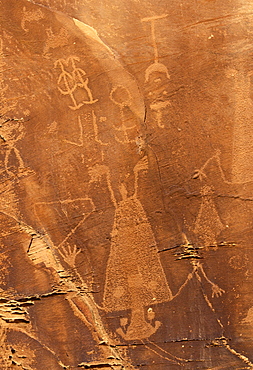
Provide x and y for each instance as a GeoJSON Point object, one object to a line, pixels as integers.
{"type": "Point", "coordinates": [126, 181]}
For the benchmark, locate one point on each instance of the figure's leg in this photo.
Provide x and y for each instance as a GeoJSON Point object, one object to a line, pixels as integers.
{"type": "Point", "coordinates": [6, 160]}
{"type": "Point", "coordinates": [19, 158]}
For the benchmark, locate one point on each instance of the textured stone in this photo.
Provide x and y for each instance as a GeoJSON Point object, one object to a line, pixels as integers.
{"type": "Point", "coordinates": [126, 184]}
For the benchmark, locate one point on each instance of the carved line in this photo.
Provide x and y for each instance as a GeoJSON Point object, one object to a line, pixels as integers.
{"type": "Point", "coordinates": [239, 355]}
{"type": "Point", "coordinates": [88, 300]}
{"type": "Point", "coordinates": [152, 21]}
{"type": "Point", "coordinates": [76, 76]}
{"type": "Point", "coordinates": [216, 157]}
{"type": "Point", "coordinates": [81, 141]}
{"type": "Point", "coordinates": [158, 354]}
{"type": "Point", "coordinates": [168, 353]}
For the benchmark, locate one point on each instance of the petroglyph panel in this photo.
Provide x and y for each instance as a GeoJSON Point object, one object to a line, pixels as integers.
{"type": "Point", "coordinates": [126, 184]}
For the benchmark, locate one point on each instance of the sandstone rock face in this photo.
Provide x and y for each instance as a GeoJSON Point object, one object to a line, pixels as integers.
{"type": "Point", "coordinates": [126, 182]}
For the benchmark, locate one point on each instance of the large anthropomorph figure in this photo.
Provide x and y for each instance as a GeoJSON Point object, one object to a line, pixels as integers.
{"type": "Point", "coordinates": [135, 279]}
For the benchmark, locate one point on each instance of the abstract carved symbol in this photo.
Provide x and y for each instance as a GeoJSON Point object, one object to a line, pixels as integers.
{"type": "Point", "coordinates": [5, 104]}
{"type": "Point", "coordinates": [156, 70]}
{"type": "Point", "coordinates": [239, 261]}
{"type": "Point", "coordinates": [11, 131]}
{"type": "Point", "coordinates": [135, 279]}
{"type": "Point", "coordinates": [80, 142]}
{"type": "Point", "coordinates": [96, 132]}
{"type": "Point", "coordinates": [81, 135]}
{"type": "Point", "coordinates": [121, 97]}
{"type": "Point", "coordinates": [152, 21]}
{"type": "Point", "coordinates": [158, 106]}
{"type": "Point", "coordinates": [55, 40]}
{"type": "Point", "coordinates": [73, 80]}
{"type": "Point", "coordinates": [30, 16]}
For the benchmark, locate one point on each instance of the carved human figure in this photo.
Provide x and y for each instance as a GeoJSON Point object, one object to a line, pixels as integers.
{"type": "Point", "coordinates": [135, 278]}
{"type": "Point", "coordinates": [71, 79]}
{"type": "Point", "coordinates": [198, 280]}
{"type": "Point", "coordinates": [12, 131]}
{"type": "Point", "coordinates": [208, 224]}
{"type": "Point", "coordinates": [156, 77]}
{"type": "Point", "coordinates": [121, 97]}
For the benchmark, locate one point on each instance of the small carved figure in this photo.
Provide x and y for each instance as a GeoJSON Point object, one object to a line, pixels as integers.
{"type": "Point", "coordinates": [30, 16]}
{"type": "Point", "coordinates": [70, 81]}
{"type": "Point", "coordinates": [55, 40]}
{"type": "Point", "coordinates": [11, 131]}
{"type": "Point", "coordinates": [159, 100]}
{"type": "Point", "coordinates": [120, 96]}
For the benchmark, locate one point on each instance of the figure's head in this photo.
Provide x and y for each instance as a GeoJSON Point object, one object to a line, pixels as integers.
{"type": "Point", "coordinates": [156, 69]}
{"type": "Point", "coordinates": [120, 96]}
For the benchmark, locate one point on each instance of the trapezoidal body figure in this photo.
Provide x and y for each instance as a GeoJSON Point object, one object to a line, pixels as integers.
{"type": "Point", "coordinates": [135, 279]}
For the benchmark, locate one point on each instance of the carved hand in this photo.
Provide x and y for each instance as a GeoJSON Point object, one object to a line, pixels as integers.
{"type": "Point", "coordinates": [217, 291]}
{"type": "Point", "coordinates": [69, 256]}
